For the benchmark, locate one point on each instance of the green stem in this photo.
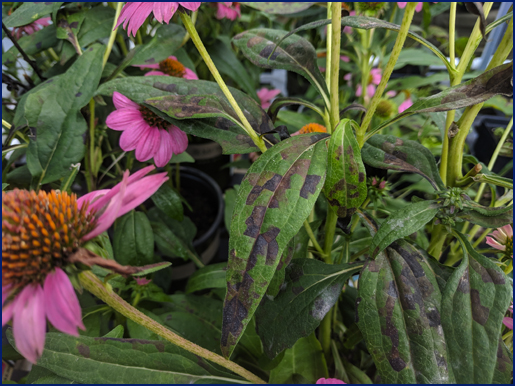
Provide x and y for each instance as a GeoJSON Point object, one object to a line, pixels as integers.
{"type": "Point", "coordinates": [313, 239]}
{"type": "Point", "coordinates": [53, 54]}
{"type": "Point", "coordinates": [336, 31]}
{"type": "Point", "coordinates": [110, 42]}
{"type": "Point", "coordinates": [105, 293]}
{"type": "Point", "coordinates": [399, 43]}
{"type": "Point", "coordinates": [452, 31]}
{"type": "Point", "coordinates": [136, 299]}
{"type": "Point", "coordinates": [437, 241]}
{"type": "Point", "coordinates": [212, 68]}
{"type": "Point", "coordinates": [194, 16]}
{"type": "Point", "coordinates": [139, 40]}
{"type": "Point", "coordinates": [328, 51]}
{"type": "Point", "coordinates": [122, 44]}
{"type": "Point", "coordinates": [92, 159]}
{"type": "Point", "coordinates": [325, 334]}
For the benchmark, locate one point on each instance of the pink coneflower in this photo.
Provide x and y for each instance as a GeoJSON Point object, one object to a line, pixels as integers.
{"type": "Point", "coordinates": [330, 381]}
{"type": "Point", "coordinates": [265, 96]}
{"type": "Point", "coordinates": [402, 5]}
{"type": "Point", "coordinates": [170, 67]}
{"type": "Point", "coordinates": [29, 29]}
{"type": "Point", "coordinates": [373, 80]}
{"type": "Point", "coordinates": [145, 132]}
{"type": "Point", "coordinates": [405, 105]}
{"type": "Point", "coordinates": [40, 232]}
{"type": "Point", "coordinates": [134, 13]}
{"type": "Point", "coordinates": [142, 280]}
{"type": "Point", "coordinates": [228, 10]}
{"type": "Point", "coordinates": [502, 239]}
{"type": "Point", "coordinates": [507, 321]}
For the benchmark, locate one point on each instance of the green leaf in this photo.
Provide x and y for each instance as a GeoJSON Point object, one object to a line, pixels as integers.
{"type": "Point", "coordinates": [40, 375]}
{"type": "Point", "coordinates": [303, 363]}
{"type": "Point", "coordinates": [278, 279]}
{"type": "Point", "coordinates": [167, 39]}
{"type": "Point", "coordinates": [4, 186]}
{"type": "Point", "coordinates": [116, 332]}
{"type": "Point", "coordinates": [153, 268]}
{"type": "Point", "coordinates": [279, 103]}
{"type": "Point", "coordinates": [494, 179]}
{"type": "Point", "coordinates": [229, 200]}
{"type": "Point", "coordinates": [110, 360]}
{"type": "Point", "coordinates": [170, 244]}
{"type": "Point", "coordinates": [389, 152]}
{"type": "Point", "coordinates": [295, 54]}
{"type": "Point", "coordinates": [280, 8]}
{"type": "Point", "coordinates": [498, 80]}
{"type": "Point", "coordinates": [301, 240]}
{"type": "Point", "coordinates": [210, 276]}
{"type": "Point", "coordinates": [133, 241]}
{"type": "Point", "coordinates": [68, 26]}
{"type": "Point", "coordinates": [474, 302]}
{"type": "Point", "coordinates": [98, 23]}
{"type": "Point", "coordinates": [229, 135]}
{"type": "Point", "coordinates": [182, 158]}
{"type": "Point", "coordinates": [345, 187]}
{"type": "Point", "coordinates": [312, 288]}
{"type": "Point", "coordinates": [32, 44]}
{"type": "Point", "coordinates": [503, 372]}
{"type": "Point", "coordinates": [274, 199]}
{"type": "Point", "coordinates": [402, 223]}
{"type": "Point", "coordinates": [54, 110]}
{"type": "Point", "coordinates": [29, 12]}
{"type": "Point", "coordinates": [485, 216]}
{"type": "Point", "coordinates": [169, 201]}
{"type": "Point", "coordinates": [228, 64]}
{"type": "Point", "coordinates": [399, 316]}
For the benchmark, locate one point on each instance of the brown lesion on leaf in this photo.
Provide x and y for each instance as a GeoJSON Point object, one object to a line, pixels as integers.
{"type": "Point", "coordinates": [267, 50]}
{"type": "Point", "coordinates": [464, 284]}
{"type": "Point", "coordinates": [338, 153]}
{"type": "Point", "coordinates": [301, 168]}
{"type": "Point", "coordinates": [254, 221]}
{"type": "Point", "coordinates": [389, 330]}
{"type": "Point", "coordinates": [264, 182]}
{"type": "Point", "coordinates": [361, 177]}
{"type": "Point", "coordinates": [310, 185]}
{"type": "Point", "coordinates": [83, 350]}
{"type": "Point", "coordinates": [479, 313]}
{"type": "Point", "coordinates": [252, 41]}
{"type": "Point", "coordinates": [488, 275]}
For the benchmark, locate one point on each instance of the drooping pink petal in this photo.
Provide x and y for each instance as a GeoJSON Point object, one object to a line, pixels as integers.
{"type": "Point", "coordinates": [29, 322]}
{"type": "Point", "coordinates": [91, 197]}
{"type": "Point", "coordinates": [508, 230]}
{"type": "Point", "coordinates": [391, 94]}
{"type": "Point", "coordinates": [265, 95]}
{"type": "Point", "coordinates": [345, 59]}
{"type": "Point", "coordinates": [508, 322]}
{"type": "Point", "coordinates": [164, 153]}
{"type": "Point", "coordinates": [138, 18]}
{"type": "Point", "coordinates": [376, 75]}
{"type": "Point", "coordinates": [142, 280]}
{"type": "Point", "coordinates": [405, 105]}
{"type": "Point", "coordinates": [493, 243]}
{"type": "Point", "coordinates": [122, 102]}
{"type": "Point", "coordinates": [61, 304]}
{"type": "Point", "coordinates": [189, 74]}
{"type": "Point", "coordinates": [191, 5]}
{"type": "Point", "coordinates": [347, 77]}
{"type": "Point", "coordinates": [131, 136]}
{"type": "Point", "coordinates": [179, 139]}
{"type": "Point", "coordinates": [330, 381]}
{"type": "Point", "coordinates": [151, 73]}
{"type": "Point", "coordinates": [7, 313]}
{"type": "Point", "coordinates": [418, 8]}
{"type": "Point", "coordinates": [359, 90]}
{"type": "Point", "coordinates": [402, 4]}
{"type": "Point", "coordinates": [122, 119]}
{"type": "Point", "coordinates": [44, 21]}
{"type": "Point", "coordinates": [138, 192]}
{"type": "Point", "coordinates": [127, 11]}
{"type": "Point", "coordinates": [148, 145]}
{"type": "Point", "coordinates": [371, 90]}
{"type": "Point", "coordinates": [6, 291]}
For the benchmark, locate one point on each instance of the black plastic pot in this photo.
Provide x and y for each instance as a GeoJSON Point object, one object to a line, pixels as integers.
{"type": "Point", "coordinates": [210, 159]}
{"type": "Point", "coordinates": [206, 198]}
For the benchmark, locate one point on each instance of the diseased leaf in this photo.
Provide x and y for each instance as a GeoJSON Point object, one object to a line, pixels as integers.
{"type": "Point", "coordinates": [32, 44]}
{"type": "Point", "coordinates": [229, 135]}
{"type": "Point", "coordinates": [398, 311]}
{"type": "Point", "coordinates": [279, 103]}
{"type": "Point", "coordinates": [98, 23]}
{"type": "Point", "coordinates": [402, 223]}
{"type": "Point", "coordinates": [40, 375]}
{"type": "Point", "coordinates": [503, 372]}
{"type": "Point", "coordinates": [54, 111]}
{"type": "Point", "coordinates": [474, 302]}
{"type": "Point", "coordinates": [274, 199]}
{"type": "Point", "coordinates": [279, 275]}
{"type": "Point", "coordinates": [497, 81]}
{"type": "Point", "coordinates": [68, 26]}
{"type": "Point", "coordinates": [312, 288]}
{"type": "Point", "coordinates": [280, 8]}
{"type": "Point", "coordinates": [485, 216]}
{"type": "Point", "coordinates": [210, 276]}
{"type": "Point", "coordinates": [294, 54]}
{"type": "Point", "coordinates": [389, 152]}
{"type": "Point", "coordinates": [109, 360]}
{"type": "Point", "coordinates": [345, 187]}
{"type": "Point", "coordinates": [477, 9]}
{"type": "Point", "coordinates": [303, 363]}
{"type": "Point", "coordinates": [167, 39]}
{"type": "Point", "coordinates": [30, 12]}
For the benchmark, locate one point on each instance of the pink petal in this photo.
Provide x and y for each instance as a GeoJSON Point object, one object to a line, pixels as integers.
{"type": "Point", "coordinates": [164, 153]}
{"type": "Point", "coordinates": [179, 139]}
{"type": "Point", "coordinates": [138, 18]}
{"type": "Point", "coordinates": [131, 136]}
{"type": "Point", "coordinates": [29, 322]}
{"type": "Point", "coordinates": [150, 73]}
{"type": "Point", "coordinates": [90, 197]}
{"type": "Point", "coordinates": [405, 105]}
{"type": "Point", "coordinates": [493, 243]}
{"type": "Point", "coordinates": [371, 90]}
{"type": "Point", "coordinates": [7, 313]}
{"type": "Point", "coordinates": [508, 230]}
{"type": "Point", "coordinates": [418, 8]}
{"type": "Point", "coordinates": [402, 4]}
{"type": "Point", "coordinates": [138, 192]}
{"type": "Point", "coordinates": [169, 11]}
{"type": "Point", "coordinates": [61, 304]}
{"type": "Point", "coordinates": [127, 12]}
{"type": "Point", "coordinates": [329, 381]}
{"type": "Point", "coordinates": [123, 119]}
{"type": "Point", "coordinates": [142, 280]}
{"type": "Point", "coordinates": [391, 93]}
{"type": "Point", "coordinates": [154, 66]}
{"type": "Point", "coordinates": [376, 75]}
{"type": "Point", "coordinates": [148, 145]}
{"type": "Point", "coordinates": [122, 102]}
{"type": "Point", "coordinates": [345, 58]}
{"type": "Point", "coordinates": [6, 291]}
{"type": "Point", "coordinates": [191, 5]}
{"type": "Point", "coordinates": [359, 90]}
{"type": "Point", "coordinates": [189, 74]}
{"type": "Point", "coordinates": [347, 77]}
{"type": "Point", "coordinates": [508, 322]}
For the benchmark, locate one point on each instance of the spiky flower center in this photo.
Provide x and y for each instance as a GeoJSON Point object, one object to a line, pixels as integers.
{"type": "Point", "coordinates": [508, 252]}
{"type": "Point", "coordinates": [313, 128]}
{"type": "Point", "coordinates": [39, 231]}
{"type": "Point", "coordinates": [152, 119]}
{"type": "Point", "coordinates": [172, 67]}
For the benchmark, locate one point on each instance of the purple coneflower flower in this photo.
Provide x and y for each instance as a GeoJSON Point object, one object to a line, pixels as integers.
{"type": "Point", "coordinates": [507, 321]}
{"type": "Point", "coordinates": [134, 14]}
{"type": "Point", "coordinates": [170, 67]}
{"type": "Point", "coordinates": [228, 10]}
{"type": "Point", "coordinates": [29, 29]}
{"type": "Point", "coordinates": [502, 239]}
{"type": "Point", "coordinates": [265, 96]}
{"type": "Point", "coordinates": [145, 132]}
{"type": "Point", "coordinates": [330, 381]}
{"type": "Point", "coordinates": [405, 105]}
{"type": "Point", "coordinates": [40, 231]}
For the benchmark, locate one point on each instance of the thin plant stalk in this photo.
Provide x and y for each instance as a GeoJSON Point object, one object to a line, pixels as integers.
{"type": "Point", "coordinates": [112, 36]}
{"type": "Point", "coordinates": [105, 293]}
{"type": "Point", "coordinates": [190, 28]}
{"type": "Point", "coordinates": [396, 51]}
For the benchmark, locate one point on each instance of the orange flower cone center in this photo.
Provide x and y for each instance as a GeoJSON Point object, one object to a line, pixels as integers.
{"type": "Point", "coordinates": [39, 231]}
{"type": "Point", "coordinates": [152, 119]}
{"type": "Point", "coordinates": [313, 128]}
{"type": "Point", "coordinates": [173, 68]}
